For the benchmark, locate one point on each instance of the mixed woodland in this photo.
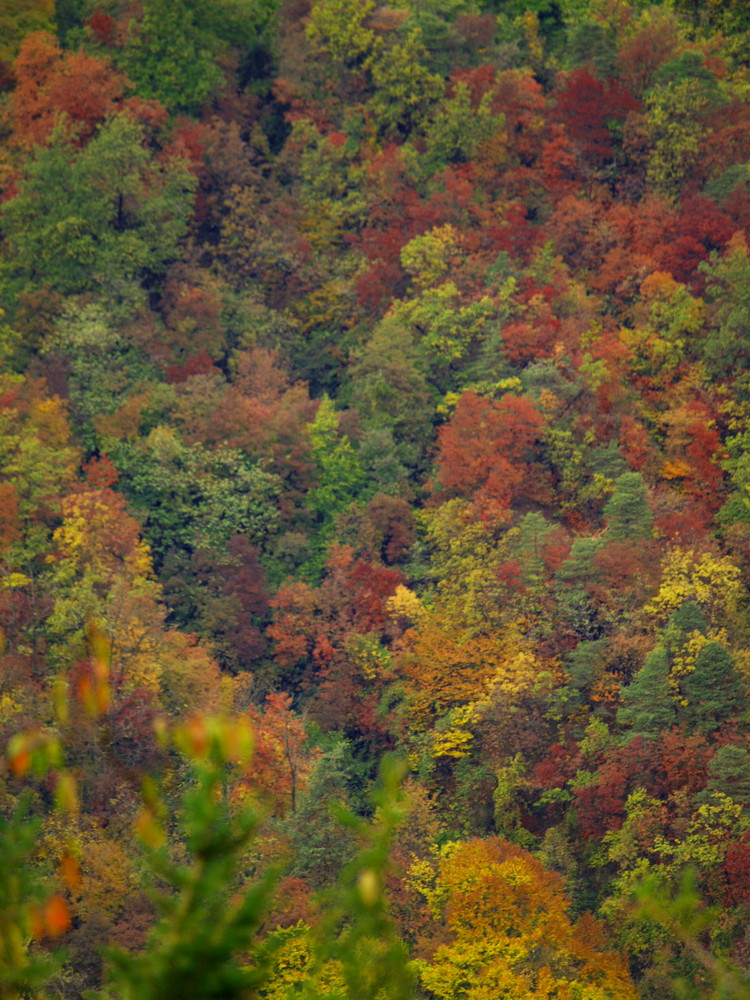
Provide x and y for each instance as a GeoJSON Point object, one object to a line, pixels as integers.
{"type": "Point", "coordinates": [374, 499]}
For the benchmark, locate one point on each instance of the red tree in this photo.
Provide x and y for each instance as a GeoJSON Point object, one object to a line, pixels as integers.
{"type": "Point", "coordinates": [484, 450]}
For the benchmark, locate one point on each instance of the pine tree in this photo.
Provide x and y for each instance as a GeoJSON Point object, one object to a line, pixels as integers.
{"type": "Point", "coordinates": [713, 689]}
{"type": "Point", "coordinates": [627, 512]}
{"type": "Point", "coordinates": [647, 705]}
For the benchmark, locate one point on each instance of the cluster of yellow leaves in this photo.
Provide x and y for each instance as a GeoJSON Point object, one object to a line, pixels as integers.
{"type": "Point", "coordinates": [95, 868]}
{"type": "Point", "coordinates": [713, 825]}
{"type": "Point", "coordinates": [370, 656]}
{"type": "Point", "coordinates": [511, 933]}
{"type": "Point", "coordinates": [531, 33]}
{"type": "Point", "coordinates": [102, 577]}
{"type": "Point", "coordinates": [742, 664]}
{"type": "Point", "coordinates": [339, 29]}
{"type": "Point", "coordinates": [104, 581]}
{"type": "Point", "coordinates": [403, 88]}
{"type": "Point", "coordinates": [38, 466]}
{"type": "Point", "coordinates": [675, 469]}
{"type": "Point", "coordinates": [445, 328]}
{"type": "Point", "coordinates": [295, 964]}
{"type": "Point", "coordinates": [404, 603]}
{"type": "Point", "coordinates": [462, 649]}
{"type": "Point", "coordinates": [422, 878]}
{"type": "Point", "coordinates": [456, 740]}
{"type": "Point", "coordinates": [466, 556]}
{"type": "Point", "coordinates": [8, 707]}
{"type": "Point", "coordinates": [443, 668]}
{"type": "Point", "coordinates": [668, 316]}
{"type": "Point", "coordinates": [710, 580]}
{"type": "Point", "coordinates": [522, 672]}
{"type": "Point", "coordinates": [510, 778]}
{"type": "Point", "coordinates": [427, 258]}
{"type": "Point", "coordinates": [683, 662]}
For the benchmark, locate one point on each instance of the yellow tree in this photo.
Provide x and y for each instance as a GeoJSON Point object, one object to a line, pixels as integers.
{"type": "Point", "coordinates": [711, 580]}
{"type": "Point", "coordinates": [510, 933]}
{"type": "Point", "coordinates": [444, 668]}
{"type": "Point", "coordinates": [101, 577]}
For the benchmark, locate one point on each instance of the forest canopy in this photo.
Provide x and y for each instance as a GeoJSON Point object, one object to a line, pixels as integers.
{"type": "Point", "coordinates": [374, 499]}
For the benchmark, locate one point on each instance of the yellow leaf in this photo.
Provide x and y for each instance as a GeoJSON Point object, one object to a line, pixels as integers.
{"type": "Point", "coordinates": [66, 793]}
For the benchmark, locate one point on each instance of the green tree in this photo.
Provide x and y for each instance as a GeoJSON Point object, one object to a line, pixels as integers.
{"type": "Point", "coordinates": [24, 969]}
{"type": "Point", "coordinates": [102, 219]}
{"type": "Point", "coordinates": [332, 186]}
{"type": "Point", "coordinates": [338, 29]}
{"type": "Point", "coordinates": [19, 18]}
{"type": "Point", "coordinates": [457, 129]}
{"type": "Point", "coordinates": [448, 332]}
{"type": "Point", "coordinates": [322, 844]}
{"type": "Point", "coordinates": [339, 473]}
{"type": "Point", "coordinates": [193, 496]}
{"type": "Point", "coordinates": [389, 390]}
{"type": "Point", "coordinates": [727, 346]}
{"type": "Point", "coordinates": [647, 703]}
{"type": "Point", "coordinates": [627, 512]}
{"type": "Point", "coordinates": [677, 115]}
{"type": "Point", "coordinates": [403, 89]}
{"type": "Point", "coordinates": [168, 58]}
{"type": "Point", "coordinates": [38, 463]}
{"type": "Point", "coordinates": [729, 772]}
{"type": "Point", "coordinates": [174, 51]}
{"type": "Point", "coordinates": [737, 506]}
{"type": "Point", "coordinates": [584, 664]}
{"type": "Point", "coordinates": [104, 366]}
{"type": "Point", "coordinates": [713, 689]}
{"type": "Point", "coordinates": [576, 572]}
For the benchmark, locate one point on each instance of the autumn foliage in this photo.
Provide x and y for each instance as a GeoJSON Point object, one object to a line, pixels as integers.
{"type": "Point", "coordinates": [374, 380]}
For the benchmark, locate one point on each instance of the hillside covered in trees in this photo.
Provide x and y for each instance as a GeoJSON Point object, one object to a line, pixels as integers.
{"type": "Point", "coordinates": [374, 386]}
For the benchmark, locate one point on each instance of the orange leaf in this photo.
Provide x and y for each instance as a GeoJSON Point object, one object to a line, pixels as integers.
{"type": "Point", "coordinates": [197, 735]}
{"type": "Point", "coordinates": [102, 696]}
{"type": "Point", "coordinates": [84, 693]}
{"type": "Point", "coordinates": [675, 470]}
{"type": "Point", "coordinates": [20, 763]}
{"type": "Point", "coordinates": [56, 916]}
